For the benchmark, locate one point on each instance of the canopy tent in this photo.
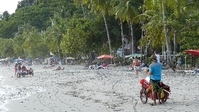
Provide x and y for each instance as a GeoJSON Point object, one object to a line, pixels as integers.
{"type": "Point", "coordinates": [180, 54]}
{"type": "Point", "coordinates": [192, 52]}
{"type": "Point", "coordinates": [134, 55]}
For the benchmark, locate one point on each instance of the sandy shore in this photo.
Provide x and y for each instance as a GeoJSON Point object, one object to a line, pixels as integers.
{"type": "Point", "coordinates": [77, 89]}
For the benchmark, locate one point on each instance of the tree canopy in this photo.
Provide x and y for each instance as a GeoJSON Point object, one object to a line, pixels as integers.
{"type": "Point", "coordinates": [81, 27]}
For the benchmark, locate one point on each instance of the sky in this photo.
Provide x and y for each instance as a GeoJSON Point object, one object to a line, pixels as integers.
{"type": "Point", "coordinates": [8, 5]}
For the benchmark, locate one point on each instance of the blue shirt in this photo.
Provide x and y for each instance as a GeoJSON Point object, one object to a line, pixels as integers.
{"type": "Point", "coordinates": [156, 69]}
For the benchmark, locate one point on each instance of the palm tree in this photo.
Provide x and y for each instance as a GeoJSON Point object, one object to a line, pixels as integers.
{"type": "Point", "coordinates": [166, 19]}
{"type": "Point", "coordinates": [57, 30]}
{"type": "Point", "coordinates": [101, 6]}
{"type": "Point", "coordinates": [81, 2]}
{"type": "Point", "coordinates": [158, 19]}
{"type": "Point", "coordinates": [127, 10]}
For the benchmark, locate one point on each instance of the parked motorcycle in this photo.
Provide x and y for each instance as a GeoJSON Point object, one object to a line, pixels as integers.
{"type": "Point", "coordinates": [146, 91]}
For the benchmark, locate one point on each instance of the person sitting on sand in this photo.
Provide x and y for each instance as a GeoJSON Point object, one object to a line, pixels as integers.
{"type": "Point", "coordinates": [146, 70]}
{"type": "Point", "coordinates": [25, 70]}
{"type": "Point", "coordinates": [63, 68]}
{"type": "Point", "coordinates": [104, 65]}
{"type": "Point", "coordinates": [99, 66]}
{"type": "Point", "coordinates": [50, 66]}
{"type": "Point", "coordinates": [45, 67]}
{"type": "Point", "coordinates": [59, 68]}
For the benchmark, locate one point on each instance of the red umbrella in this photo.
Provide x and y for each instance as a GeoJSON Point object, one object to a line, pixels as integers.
{"type": "Point", "coordinates": [193, 52]}
{"type": "Point", "coordinates": [104, 56]}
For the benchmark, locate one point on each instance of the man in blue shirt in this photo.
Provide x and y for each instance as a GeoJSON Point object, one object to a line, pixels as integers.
{"type": "Point", "coordinates": [155, 69]}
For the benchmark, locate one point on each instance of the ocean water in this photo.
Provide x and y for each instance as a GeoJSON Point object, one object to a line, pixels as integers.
{"type": "Point", "coordinates": [9, 93]}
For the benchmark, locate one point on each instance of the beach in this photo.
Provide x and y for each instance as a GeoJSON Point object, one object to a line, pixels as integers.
{"type": "Point", "coordinates": [80, 89]}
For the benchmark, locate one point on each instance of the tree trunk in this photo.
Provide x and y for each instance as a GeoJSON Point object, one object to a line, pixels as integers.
{"type": "Point", "coordinates": [168, 45]}
{"type": "Point", "coordinates": [108, 36]}
{"type": "Point", "coordinates": [175, 43]}
{"type": "Point", "coordinates": [83, 10]}
{"type": "Point", "coordinates": [122, 35]}
{"type": "Point", "coordinates": [58, 46]}
{"type": "Point", "coordinates": [133, 47]}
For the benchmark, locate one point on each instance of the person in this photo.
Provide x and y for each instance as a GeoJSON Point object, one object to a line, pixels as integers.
{"type": "Point", "coordinates": [19, 68]}
{"type": "Point", "coordinates": [195, 71]}
{"type": "Point", "coordinates": [59, 68]}
{"type": "Point", "coordinates": [157, 56]}
{"type": "Point", "coordinates": [105, 65]}
{"type": "Point", "coordinates": [136, 64]}
{"type": "Point", "coordinates": [155, 69]}
{"type": "Point", "coordinates": [144, 64]}
{"type": "Point", "coordinates": [23, 68]}
{"type": "Point", "coordinates": [26, 70]}
{"type": "Point", "coordinates": [15, 67]}
{"type": "Point", "coordinates": [179, 62]}
{"type": "Point", "coordinates": [132, 65]}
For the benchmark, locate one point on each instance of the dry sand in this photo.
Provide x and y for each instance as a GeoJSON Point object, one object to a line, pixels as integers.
{"type": "Point", "coordinates": [77, 89]}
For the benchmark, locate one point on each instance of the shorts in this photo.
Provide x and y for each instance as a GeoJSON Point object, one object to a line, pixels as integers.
{"type": "Point", "coordinates": [155, 84]}
{"type": "Point", "coordinates": [179, 64]}
{"type": "Point", "coordinates": [137, 67]}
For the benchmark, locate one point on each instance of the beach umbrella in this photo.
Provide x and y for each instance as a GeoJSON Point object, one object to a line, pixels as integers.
{"type": "Point", "coordinates": [134, 55]}
{"type": "Point", "coordinates": [104, 56]}
{"type": "Point", "coordinates": [193, 52]}
{"type": "Point", "coordinates": [18, 60]}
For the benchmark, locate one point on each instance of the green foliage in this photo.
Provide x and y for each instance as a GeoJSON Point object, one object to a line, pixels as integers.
{"type": "Point", "coordinates": [67, 28]}
{"type": "Point", "coordinates": [28, 42]}
{"type": "Point", "coordinates": [6, 47]}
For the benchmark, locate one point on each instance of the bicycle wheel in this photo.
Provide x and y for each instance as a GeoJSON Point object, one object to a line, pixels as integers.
{"type": "Point", "coordinates": [143, 96]}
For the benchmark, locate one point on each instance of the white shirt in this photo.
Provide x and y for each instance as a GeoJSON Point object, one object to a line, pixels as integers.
{"type": "Point", "coordinates": [157, 57]}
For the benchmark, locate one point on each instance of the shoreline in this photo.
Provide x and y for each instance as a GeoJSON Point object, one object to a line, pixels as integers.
{"type": "Point", "coordinates": [105, 90]}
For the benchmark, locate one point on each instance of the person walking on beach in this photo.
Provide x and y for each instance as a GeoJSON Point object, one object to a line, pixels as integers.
{"type": "Point", "coordinates": [157, 56]}
{"type": "Point", "coordinates": [15, 68]}
{"type": "Point", "coordinates": [19, 68]}
{"type": "Point", "coordinates": [179, 62]}
{"type": "Point", "coordinates": [136, 64]}
{"type": "Point", "coordinates": [155, 69]}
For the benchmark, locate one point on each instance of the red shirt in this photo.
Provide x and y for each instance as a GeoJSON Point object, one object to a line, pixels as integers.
{"type": "Point", "coordinates": [23, 68]}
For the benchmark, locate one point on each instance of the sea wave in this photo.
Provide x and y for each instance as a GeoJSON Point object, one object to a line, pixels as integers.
{"type": "Point", "coordinates": [9, 93]}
